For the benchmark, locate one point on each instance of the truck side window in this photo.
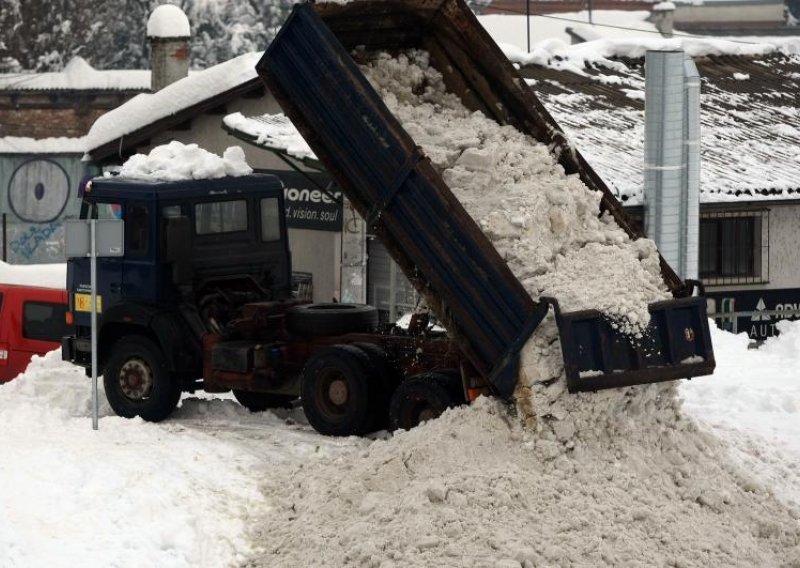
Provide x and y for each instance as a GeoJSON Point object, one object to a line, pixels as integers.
{"type": "Point", "coordinates": [270, 220]}
{"type": "Point", "coordinates": [220, 217]}
{"type": "Point", "coordinates": [136, 228]}
{"type": "Point", "coordinates": [106, 211]}
{"type": "Point", "coordinates": [44, 321]}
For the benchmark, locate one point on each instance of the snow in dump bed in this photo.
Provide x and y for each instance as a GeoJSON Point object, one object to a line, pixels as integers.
{"type": "Point", "coordinates": [177, 161]}
{"type": "Point", "coordinates": [544, 223]}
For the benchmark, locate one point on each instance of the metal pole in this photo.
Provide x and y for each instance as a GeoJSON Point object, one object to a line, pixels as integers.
{"type": "Point", "coordinates": [528, 20]}
{"type": "Point", "coordinates": [93, 281]}
{"type": "Point", "coordinates": [5, 239]}
{"type": "Point", "coordinates": [590, 12]}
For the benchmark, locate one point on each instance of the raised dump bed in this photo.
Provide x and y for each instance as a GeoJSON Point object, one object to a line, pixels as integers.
{"type": "Point", "coordinates": [309, 69]}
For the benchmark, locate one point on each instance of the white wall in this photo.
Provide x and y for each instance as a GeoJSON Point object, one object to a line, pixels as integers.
{"type": "Point", "coordinates": [719, 13]}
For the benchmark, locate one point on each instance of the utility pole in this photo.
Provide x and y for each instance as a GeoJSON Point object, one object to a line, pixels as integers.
{"type": "Point", "coordinates": [528, 20]}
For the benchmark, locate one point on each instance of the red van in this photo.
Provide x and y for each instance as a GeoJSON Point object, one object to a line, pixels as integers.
{"type": "Point", "coordinates": [32, 321]}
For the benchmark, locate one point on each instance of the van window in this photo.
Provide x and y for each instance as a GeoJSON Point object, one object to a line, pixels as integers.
{"type": "Point", "coordinates": [44, 321]}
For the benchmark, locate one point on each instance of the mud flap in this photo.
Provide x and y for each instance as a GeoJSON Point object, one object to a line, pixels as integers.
{"type": "Point", "coordinates": [677, 344]}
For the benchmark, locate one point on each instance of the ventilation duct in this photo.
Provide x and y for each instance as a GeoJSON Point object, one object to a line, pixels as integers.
{"type": "Point", "coordinates": [672, 158]}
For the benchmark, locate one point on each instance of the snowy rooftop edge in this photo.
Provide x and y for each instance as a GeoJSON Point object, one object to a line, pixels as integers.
{"type": "Point", "coordinates": [59, 145]}
{"type": "Point", "coordinates": [147, 108]}
{"type": "Point", "coordinates": [602, 49]}
{"type": "Point", "coordinates": [78, 75]}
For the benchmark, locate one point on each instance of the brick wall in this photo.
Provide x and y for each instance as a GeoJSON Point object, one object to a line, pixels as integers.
{"type": "Point", "coordinates": [46, 115]}
{"type": "Point", "coordinates": [46, 123]}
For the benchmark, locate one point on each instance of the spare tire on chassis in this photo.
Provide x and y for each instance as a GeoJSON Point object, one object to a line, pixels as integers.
{"type": "Point", "coordinates": [331, 319]}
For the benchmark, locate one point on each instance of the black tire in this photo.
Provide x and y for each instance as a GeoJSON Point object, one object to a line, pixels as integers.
{"type": "Point", "coordinates": [331, 319]}
{"type": "Point", "coordinates": [137, 381]}
{"type": "Point", "coordinates": [423, 397]}
{"type": "Point", "coordinates": [335, 391]}
{"type": "Point", "coordinates": [261, 401]}
{"type": "Point", "coordinates": [384, 378]}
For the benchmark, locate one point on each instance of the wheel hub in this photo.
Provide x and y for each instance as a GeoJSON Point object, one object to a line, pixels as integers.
{"type": "Point", "coordinates": [136, 379]}
{"type": "Point", "coordinates": [337, 392]}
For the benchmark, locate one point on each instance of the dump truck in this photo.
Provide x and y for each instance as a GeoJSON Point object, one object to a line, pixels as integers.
{"type": "Point", "coordinates": [202, 297]}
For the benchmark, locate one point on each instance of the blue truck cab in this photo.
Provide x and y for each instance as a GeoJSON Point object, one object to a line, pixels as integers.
{"type": "Point", "coordinates": [194, 251]}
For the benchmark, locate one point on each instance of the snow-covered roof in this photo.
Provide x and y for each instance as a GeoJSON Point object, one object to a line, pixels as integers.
{"type": "Point", "coordinates": [166, 21]}
{"type": "Point", "coordinates": [24, 145]}
{"type": "Point", "coordinates": [148, 108]}
{"type": "Point", "coordinates": [78, 75]}
{"type": "Point", "coordinates": [271, 131]}
{"type": "Point", "coordinates": [750, 130]}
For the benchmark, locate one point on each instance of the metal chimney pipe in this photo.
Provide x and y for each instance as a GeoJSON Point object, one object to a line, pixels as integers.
{"type": "Point", "coordinates": [672, 158]}
{"type": "Point", "coordinates": [663, 152]}
{"type": "Point", "coordinates": [692, 171]}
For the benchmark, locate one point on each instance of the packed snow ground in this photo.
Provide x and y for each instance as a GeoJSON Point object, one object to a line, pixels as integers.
{"type": "Point", "coordinates": [217, 486]}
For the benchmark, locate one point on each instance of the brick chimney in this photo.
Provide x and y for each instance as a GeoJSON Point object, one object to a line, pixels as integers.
{"type": "Point", "coordinates": [168, 33]}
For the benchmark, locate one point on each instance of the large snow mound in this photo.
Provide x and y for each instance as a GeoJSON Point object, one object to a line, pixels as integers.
{"type": "Point", "coordinates": [473, 488]}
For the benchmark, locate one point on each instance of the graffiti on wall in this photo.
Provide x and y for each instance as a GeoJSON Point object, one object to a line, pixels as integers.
{"type": "Point", "coordinates": [39, 243]}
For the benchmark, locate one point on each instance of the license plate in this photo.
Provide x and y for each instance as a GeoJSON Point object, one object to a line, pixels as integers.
{"type": "Point", "coordinates": [83, 303]}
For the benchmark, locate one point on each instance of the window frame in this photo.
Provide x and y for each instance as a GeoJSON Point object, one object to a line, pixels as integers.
{"type": "Point", "coordinates": [736, 260]}
{"type": "Point", "coordinates": [211, 234]}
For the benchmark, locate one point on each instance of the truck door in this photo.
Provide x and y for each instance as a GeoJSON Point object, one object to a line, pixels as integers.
{"type": "Point", "coordinates": [138, 275]}
{"type": "Point", "coordinates": [109, 270]}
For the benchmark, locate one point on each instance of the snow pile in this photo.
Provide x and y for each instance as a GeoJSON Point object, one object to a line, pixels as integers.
{"type": "Point", "coordinates": [130, 494]}
{"type": "Point", "coordinates": [473, 488]}
{"type": "Point", "coordinates": [544, 223]}
{"type": "Point", "coordinates": [43, 275]}
{"type": "Point", "coordinates": [754, 401]}
{"type": "Point", "coordinates": [177, 161]}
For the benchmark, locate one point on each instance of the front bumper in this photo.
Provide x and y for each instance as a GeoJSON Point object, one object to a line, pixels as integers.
{"type": "Point", "coordinates": [76, 350]}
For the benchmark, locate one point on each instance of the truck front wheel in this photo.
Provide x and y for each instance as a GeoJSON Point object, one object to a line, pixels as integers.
{"type": "Point", "coordinates": [137, 381]}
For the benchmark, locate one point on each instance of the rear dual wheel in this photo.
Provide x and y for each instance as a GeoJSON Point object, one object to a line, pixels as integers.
{"type": "Point", "coordinates": [424, 397]}
{"type": "Point", "coordinates": [336, 392]}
